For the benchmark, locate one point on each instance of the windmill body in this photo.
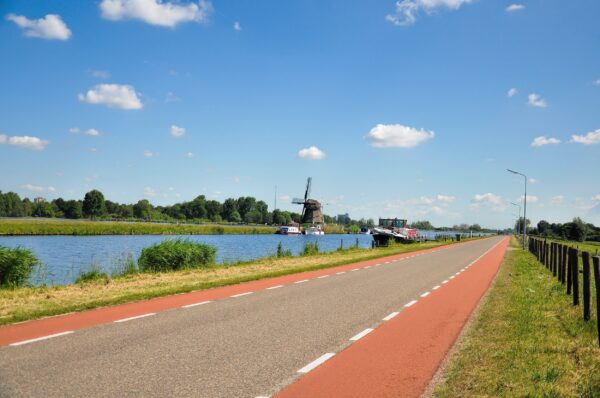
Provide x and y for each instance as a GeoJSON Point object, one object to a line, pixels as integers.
{"type": "Point", "coordinates": [312, 212]}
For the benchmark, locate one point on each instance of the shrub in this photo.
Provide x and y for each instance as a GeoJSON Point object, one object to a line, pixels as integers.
{"type": "Point", "coordinates": [310, 249]}
{"type": "Point", "coordinates": [126, 265]}
{"type": "Point", "coordinates": [16, 265]}
{"type": "Point", "coordinates": [176, 254]}
{"type": "Point", "coordinates": [281, 252]}
{"type": "Point", "coordinates": [92, 275]}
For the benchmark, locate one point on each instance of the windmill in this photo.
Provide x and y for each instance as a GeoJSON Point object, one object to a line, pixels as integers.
{"type": "Point", "coordinates": [311, 210]}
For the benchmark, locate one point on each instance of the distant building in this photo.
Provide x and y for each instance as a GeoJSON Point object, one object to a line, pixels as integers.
{"type": "Point", "coordinates": [343, 219]}
{"type": "Point", "coordinates": [39, 199]}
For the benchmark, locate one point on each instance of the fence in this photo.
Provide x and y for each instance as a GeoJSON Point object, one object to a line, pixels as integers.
{"type": "Point", "coordinates": [563, 261]}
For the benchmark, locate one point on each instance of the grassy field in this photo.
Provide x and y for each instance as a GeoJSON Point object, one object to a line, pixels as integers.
{"type": "Point", "coordinates": [592, 247]}
{"type": "Point", "coordinates": [527, 341]}
{"type": "Point", "coordinates": [34, 302]}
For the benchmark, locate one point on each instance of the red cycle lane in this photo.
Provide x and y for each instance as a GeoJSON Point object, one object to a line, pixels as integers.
{"type": "Point", "coordinates": [400, 357]}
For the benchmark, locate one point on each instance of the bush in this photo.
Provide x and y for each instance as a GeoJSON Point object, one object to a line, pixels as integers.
{"type": "Point", "coordinates": [92, 275]}
{"type": "Point", "coordinates": [16, 265]}
{"type": "Point", "coordinates": [176, 254]}
{"type": "Point", "coordinates": [310, 249]}
{"type": "Point", "coordinates": [281, 252]}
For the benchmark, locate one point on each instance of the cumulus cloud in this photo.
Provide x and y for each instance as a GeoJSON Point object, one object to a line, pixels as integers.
{"type": "Point", "coordinates": [397, 135]}
{"type": "Point", "coordinates": [74, 130]}
{"type": "Point", "coordinates": [112, 95]}
{"type": "Point", "coordinates": [156, 12]}
{"type": "Point", "coordinates": [177, 131]}
{"type": "Point", "coordinates": [536, 101]}
{"type": "Point", "coordinates": [92, 132]}
{"type": "Point", "coordinates": [170, 97]}
{"type": "Point", "coordinates": [597, 82]}
{"type": "Point", "coordinates": [542, 140]}
{"type": "Point", "coordinates": [149, 192]}
{"type": "Point", "coordinates": [532, 180]}
{"type": "Point", "coordinates": [446, 198]}
{"type": "Point", "coordinates": [593, 137]}
{"type": "Point", "coordinates": [189, 155]}
{"type": "Point", "coordinates": [407, 10]}
{"type": "Point", "coordinates": [494, 202]}
{"type": "Point", "coordinates": [149, 154]}
{"type": "Point", "coordinates": [512, 92]}
{"type": "Point", "coordinates": [237, 26]}
{"type": "Point", "coordinates": [51, 27]}
{"type": "Point", "coordinates": [514, 7]}
{"type": "Point", "coordinates": [312, 153]}
{"type": "Point", "coordinates": [25, 141]}
{"type": "Point", "coordinates": [530, 199]}
{"type": "Point", "coordinates": [38, 189]}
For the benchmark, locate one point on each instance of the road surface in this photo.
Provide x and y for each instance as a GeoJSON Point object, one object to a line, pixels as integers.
{"type": "Point", "coordinates": [248, 344]}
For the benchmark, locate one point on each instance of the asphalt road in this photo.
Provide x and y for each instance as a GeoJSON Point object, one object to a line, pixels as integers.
{"type": "Point", "coordinates": [247, 346]}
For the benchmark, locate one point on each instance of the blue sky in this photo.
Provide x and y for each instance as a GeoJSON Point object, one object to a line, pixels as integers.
{"type": "Point", "coordinates": [394, 108]}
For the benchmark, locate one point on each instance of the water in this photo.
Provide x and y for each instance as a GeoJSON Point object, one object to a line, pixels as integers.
{"type": "Point", "coordinates": [65, 257]}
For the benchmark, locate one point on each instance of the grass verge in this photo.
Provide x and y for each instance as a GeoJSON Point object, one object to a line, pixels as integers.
{"type": "Point", "coordinates": [35, 302]}
{"type": "Point", "coordinates": [527, 341]}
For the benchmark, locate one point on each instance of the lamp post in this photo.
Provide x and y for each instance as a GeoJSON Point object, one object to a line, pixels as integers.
{"type": "Point", "coordinates": [519, 222]}
{"type": "Point", "coordinates": [524, 205]}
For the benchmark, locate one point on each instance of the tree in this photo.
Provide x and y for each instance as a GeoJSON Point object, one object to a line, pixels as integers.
{"type": "Point", "coordinates": [213, 210]}
{"type": "Point", "coordinates": [235, 217]}
{"type": "Point", "coordinates": [142, 210]}
{"type": "Point", "coordinates": [43, 209]}
{"type": "Point", "coordinates": [576, 230]}
{"type": "Point", "coordinates": [475, 228]}
{"type": "Point", "coordinates": [229, 207]}
{"type": "Point", "coordinates": [73, 209]}
{"type": "Point", "coordinates": [425, 225]}
{"type": "Point", "coordinates": [519, 224]}
{"type": "Point", "coordinates": [10, 205]}
{"type": "Point", "coordinates": [543, 227]}
{"type": "Point", "coordinates": [93, 204]}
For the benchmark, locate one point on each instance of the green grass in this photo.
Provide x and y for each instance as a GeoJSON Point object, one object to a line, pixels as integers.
{"type": "Point", "coordinates": [176, 254]}
{"type": "Point", "coordinates": [527, 341]}
{"type": "Point", "coordinates": [16, 264]}
{"type": "Point", "coordinates": [68, 227]}
{"type": "Point", "coordinates": [592, 247]}
{"type": "Point", "coordinates": [34, 302]}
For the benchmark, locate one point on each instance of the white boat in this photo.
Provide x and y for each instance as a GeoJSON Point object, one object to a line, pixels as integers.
{"type": "Point", "coordinates": [395, 229]}
{"type": "Point", "coordinates": [288, 230]}
{"type": "Point", "coordinates": [314, 230]}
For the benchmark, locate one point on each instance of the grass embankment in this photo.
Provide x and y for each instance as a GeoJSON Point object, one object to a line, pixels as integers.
{"type": "Point", "coordinates": [527, 341]}
{"type": "Point", "coordinates": [68, 227]}
{"type": "Point", "coordinates": [35, 302]}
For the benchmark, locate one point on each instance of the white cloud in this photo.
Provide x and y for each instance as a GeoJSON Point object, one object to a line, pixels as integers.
{"type": "Point", "coordinates": [532, 180]}
{"type": "Point", "coordinates": [446, 198]}
{"type": "Point", "coordinates": [189, 155]}
{"type": "Point", "coordinates": [514, 7]}
{"type": "Point", "coordinates": [74, 130]}
{"type": "Point", "coordinates": [597, 82]}
{"type": "Point", "coordinates": [170, 97]}
{"type": "Point", "coordinates": [149, 154]}
{"type": "Point", "coordinates": [397, 135]}
{"type": "Point", "coordinates": [112, 95]}
{"type": "Point", "coordinates": [542, 140]}
{"type": "Point", "coordinates": [536, 101]}
{"type": "Point", "coordinates": [593, 137]}
{"type": "Point", "coordinates": [100, 74]}
{"type": "Point", "coordinates": [149, 192]}
{"type": "Point", "coordinates": [156, 12]}
{"type": "Point", "coordinates": [495, 202]}
{"type": "Point", "coordinates": [512, 92]}
{"type": "Point", "coordinates": [312, 152]}
{"type": "Point", "coordinates": [25, 141]}
{"type": "Point", "coordinates": [237, 26]}
{"type": "Point", "coordinates": [92, 132]}
{"type": "Point", "coordinates": [596, 198]}
{"type": "Point", "coordinates": [38, 189]}
{"type": "Point", "coordinates": [93, 150]}
{"type": "Point", "coordinates": [530, 199]}
{"type": "Point", "coordinates": [285, 198]}
{"type": "Point", "coordinates": [557, 200]}
{"type": "Point", "coordinates": [51, 27]}
{"type": "Point", "coordinates": [407, 10]}
{"type": "Point", "coordinates": [177, 131]}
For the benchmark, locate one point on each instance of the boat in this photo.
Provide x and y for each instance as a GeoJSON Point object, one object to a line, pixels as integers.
{"type": "Point", "coordinates": [365, 231]}
{"type": "Point", "coordinates": [314, 230]}
{"type": "Point", "coordinates": [393, 228]}
{"type": "Point", "coordinates": [290, 229]}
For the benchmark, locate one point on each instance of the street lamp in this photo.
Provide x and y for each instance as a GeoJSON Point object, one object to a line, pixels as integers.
{"type": "Point", "coordinates": [519, 222]}
{"type": "Point", "coordinates": [524, 206]}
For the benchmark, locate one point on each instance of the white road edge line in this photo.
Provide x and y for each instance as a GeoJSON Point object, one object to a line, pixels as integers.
{"type": "Point", "coordinates": [452, 277]}
{"type": "Point", "coordinates": [195, 304]}
{"type": "Point", "coordinates": [355, 269]}
{"type": "Point", "coordinates": [436, 287]}
{"type": "Point", "coordinates": [323, 276]}
{"type": "Point", "coordinates": [134, 317]}
{"type": "Point", "coordinates": [444, 282]}
{"type": "Point", "coordinates": [241, 294]}
{"type": "Point", "coordinates": [361, 334]}
{"type": "Point", "coordinates": [340, 273]}
{"type": "Point", "coordinates": [390, 316]}
{"type": "Point", "coordinates": [425, 294]}
{"type": "Point", "coordinates": [410, 303]}
{"type": "Point", "coordinates": [274, 287]}
{"type": "Point", "coordinates": [316, 362]}
{"type": "Point", "coordinates": [50, 336]}
{"type": "Point", "coordinates": [302, 281]}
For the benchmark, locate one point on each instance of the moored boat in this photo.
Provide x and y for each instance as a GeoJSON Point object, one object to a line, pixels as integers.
{"type": "Point", "coordinates": [393, 228]}
{"type": "Point", "coordinates": [291, 229]}
{"type": "Point", "coordinates": [314, 230]}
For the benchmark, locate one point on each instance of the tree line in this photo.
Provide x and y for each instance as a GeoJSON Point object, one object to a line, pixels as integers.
{"type": "Point", "coordinates": [576, 230]}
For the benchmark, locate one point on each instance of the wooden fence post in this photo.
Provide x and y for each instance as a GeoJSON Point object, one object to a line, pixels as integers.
{"type": "Point", "coordinates": [569, 270]}
{"type": "Point", "coordinates": [575, 277]}
{"type": "Point", "coordinates": [555, 260]}
{"type": "Point", "coordinates": [597, 284]}
{"type": "Point", "coordinates": [585, 257]}
{"type": "Point", "coordinates": [564, 264]}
